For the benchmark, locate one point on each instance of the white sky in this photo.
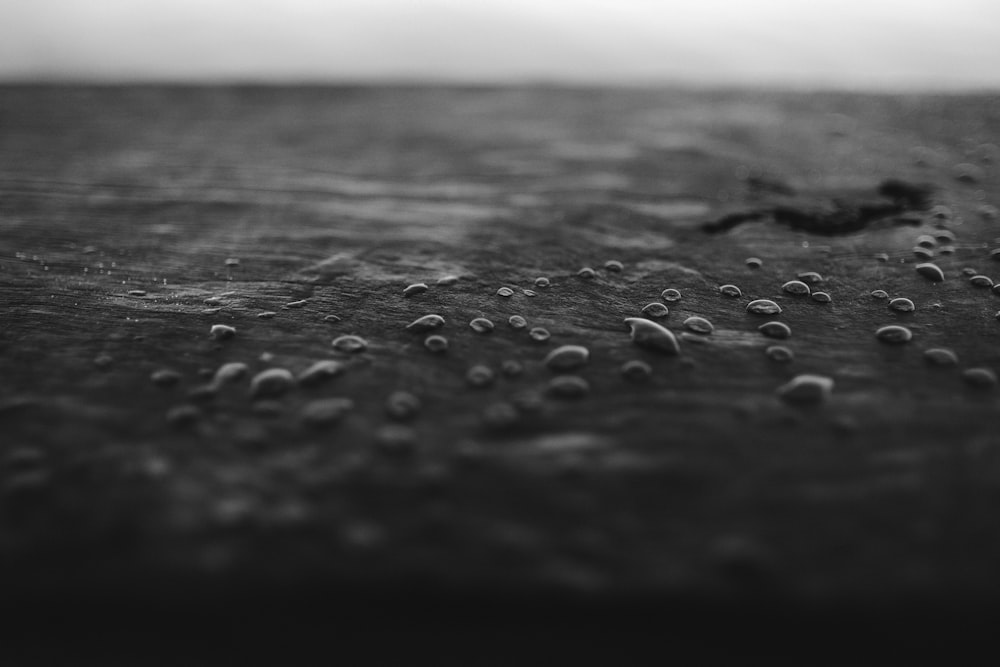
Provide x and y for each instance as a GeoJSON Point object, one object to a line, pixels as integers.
{"type": "Point", "coordinates": [866, 43]}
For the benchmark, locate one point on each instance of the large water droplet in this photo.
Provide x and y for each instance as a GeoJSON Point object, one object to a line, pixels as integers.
{"type": "Point", "coordinates": [425, 323]}
{"type": "Point", "coordinates": [806, 389]}
{"type": "Point", "coordinates": [796, 288]}
{"type": "Point", "coordinates": [272, 382]}
{"type": "Point", "coordinates": [350, 344]}
{"type": "Point", "coordinates": [763, 307]}
{"type": "Point", "coordinates": [414, 289]}
{"type": "Point", "coordinates": [652, 336]}
{"type": "Point", "coordinates": [320, 371]}
{"type": "Point", "coordinates": [930, 271]}
{"type": "Point", "coordinates": [567, 358]}
{"type": "Point", "coordinates": [699, 325]}
{"type": "Point", "coordinates": [568, 386]}
{"type": "Point", "coordinates": [775, 330]}
{"type": "Point", "coordinates": [902, 304]}
{"type": "Point", "coordinates": [655, 309]}
{"type": "Point", "coordinates": [894, 334]}
{"type": "Point", "coordinates": [940, 356]}
{"type": "Point", "coordinates": [981, 281]}
{"type": "Point", "coordinates": [222, 331]}
{"type": "Point", "coordinates": [731, 291]}
{"type": "Point", "coordinates": [670, 295]}
{"type": "Point", "coordinates": [436, 343]}
{"type": "Point", "coordinates": [481, 325]}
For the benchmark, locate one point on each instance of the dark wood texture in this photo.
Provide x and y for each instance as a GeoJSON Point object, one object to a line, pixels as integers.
{"type": "Point", "coordinates": [699, 484]}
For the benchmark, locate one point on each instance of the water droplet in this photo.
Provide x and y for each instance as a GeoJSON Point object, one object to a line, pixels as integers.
{"type": "Point", "coordinates": [542, 282]}
{"type": "Point", "coordinates": [266, 357]}
{"type": "Point", "coordinates": [272, 382]}
{"type": "Point", "coordinates": [987, 212]}
{"type": "Point", "coordinates": [880, 294]}
{"type": "Point", "coordinates": [568, 386]}
{"type": "Point", "coordinates": [505, 292]}
{"type": "Point", "coordinates": [529, 293]}
{"type": "Point", "coordinates": [637, 371]}
{"type": "Point", "coordinates": [881, 256]}
{"type": "Point", "coordinates": [517, 322]}
{"type": "Point", "coordinates": [980, 378]}
{"type": "Point", "coordinates": [481, 325]}
{"type": "Point", "coordinates": [587, 273]}
{"type": "Point", "coordinates": [326, 411]}
{"type": "Point", "coordinates": [966, 172]}
{"type": "Point", "coordinates": [796, 288]}
{"type": "Point", "coordinates": [183, 415]}
{"type": "Point", "coordinates": [763, 307]}
{"type": "Point", "coordinates": [480, 376]}
{"type": "Point", "coordinates": [349, 344]}
{"type": "Point", "coordinates": [539, 334]}
{"type": "Point", "coordinates": [103, 361]}
{"type": "Point", "coordinates": [232, 262]}
{"type": "Point", "coordinates": [806, 389]}
{"type": "Point", "coordinates": [210, 311]}
{"type": "Point", "coordinates": [894, 334]}
{"type": "Point", "coordinates": [731, 291]}
{"type": "Point", "coordinates": [810, 278]}
{"type": "Point", "coordinates": [165, 377]}
{"type": "Point", "coordinates": [821, 297]}
{"type": "Point", "coordinates": [944, 235]}
{"type": "Point", "coordinates": [567, 358]}
{"type": "Point", "coordinates": [511, 368]}
{"type": "Point", "coordinates": [425, 323]}
{"type": "Point", "coordinates": [414, 289]}
{"type": "Point", "coordinates": [775, 330]}
{"type": "Point", "coordinates": [230, 372]}
{"type": "Point", "coordinates": [331, 318]}
{"type": "Point", "coordinates": [295, 304]}
{"type": "Point", "coordinates": [940, 356]}
{"type": "Point", "coordinates": [946, 250]}
{"type": "Point", "coordinates": [981, 281]}
{"type": "Point", "coordinates": [655, 309]}
{"type": "Point", "coordinates": [396, 439]}
{"type": "Point", "coordinates": [446, 281]}
{"type": "Point", "coordinates": [652, 336]}
{"type": "Point", "coordinates": [930, 271]}
{"type": "Point", "coordinates": [436, 343]}
{"type": "Point", "coordinates": [266, 315]}
{"type": "Point", "coordinates": [221, 331]}
{"type": "Point", "coordinates": [402, 405]}
{"type": "Point", "coordinates": [779, 353]}
{"type": "Point", "coordinates": [137, 292]}
{"type": "Point", "coordinates": [670, 295]}
{"type": "Point", "coordinates": [699, 325]}
{"type": "Point", "coordinates": [614, 266]}
{"type": "Point", "coordinates": [902, 305]}
{"type": "Point", "coordinates": [754, 262]}
{"type": "Point", "coordinates": [995, 254]}
{"type": "Point", "coordinates": [969, 271]}
{"type": "Point", "coordinates": [500, 416]}
{"type": "Point", "coordinates": [320, 371]}
{"type": "Point", "coordinates": [926, 241]}
{"type": "Point", "coordinates": [941, 212]}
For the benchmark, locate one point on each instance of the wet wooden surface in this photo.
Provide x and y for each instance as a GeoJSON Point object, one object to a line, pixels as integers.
{"type": "Point", "coordinates": [698, 484]}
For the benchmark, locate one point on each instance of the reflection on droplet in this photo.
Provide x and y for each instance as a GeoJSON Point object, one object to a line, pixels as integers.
{"type": "Point", "coordinates": [436, 343]}
{"type": "Point", "coordinates": [636, 370]}
{"type": "Point", "coordinates": [587, 273]}
{"type": "Point", "coordinates": [402, 405]}
{"type": "Point", "coordinates": [480, 376]}
{"type": "Point", "coordinates": [614, 266]}
{"type": "Point", "coordinates": [806, 389]}
{"type": "Point", "coordinates": [940, 356]}
{"type": "Point", "coordinates": [775, 330]}
{"type": "Point", "coordinates": [272, 382]}
{"type": "Point", "coordinates": [652, 336]}
{"type": "Point", "coordinates": [222, 331]}
{"type": "Point", "coordinates": [699, 325]}
{"type": "Point", "coordinates": [320, 371]}
{"type": "Point", "coordinates": [567, 358]}
{"type": "Point", "coordinates": [505, 292]}
{"type": "Point", "coordinates": [902, 305]}
{"type": "Point", "coordinates": [539, 334]}
{"type": "Point", "coordinates": [481, 325]}
{"type": "Point", "coordinates": [796, 288]}
{"type": "Point", "coordinates": [517, 322]}
{"type": "Point", "coordinates": [670, 295]}
{"type": "Point", "coordinates": [821, 297]}
{"type": "Point", "coordinates": [880, 294]}
{"type": "Point", "coordinates": [894, 334]}
{"type": "Point", "coordinates": [425, 323]}
{"type": "Point", "coordinates": [981, 281]}
{"type": "Point", "coordinates": [655, 309]}
{"type": "Point", "coordinates": [568, 386]}
{"type": "Point", "coordinates": [731, 291]}
{"type": "Point", "coordinates": [326, 411]}
{"type": "Point", "coordinates": [980, 378]}
{"type": "Point", "coordinates": [763, 307]}
{"type": "Point", "coordinates": [930, 271]}
{"type": "Point", "coordinates": [779, 353]}
{"type": "Point", "coordinates": [414, 289]}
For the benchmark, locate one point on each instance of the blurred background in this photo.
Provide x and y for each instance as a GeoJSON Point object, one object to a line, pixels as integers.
{"type": "Point", "coordinates": [864, 44]}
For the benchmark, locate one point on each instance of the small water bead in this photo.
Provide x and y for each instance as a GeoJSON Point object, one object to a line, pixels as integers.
{"type": "Point", "coordinates": [481, 325]}
{"type": "Point", "coordinates": [567, 358]}
{"type": "Point", "coordinates": [810, 278]}
{"type": "Point", "coordinates": [320, 371]}
{"type": "Point", "coordinates": [902, 304]}
{"type": "Point", "coordinates": [980, 378]}
{"type": "Point", "coordinates": [183, 415]}
{"type": "Point", "coordinates": [296, 304]}
{"type": "Point", "coordinates": [931, 271]}
{"type": "Point", "coordinates": [636, 370]}
{"type": "Point", "coordinates": [517, 322]}
{"type": "Point", "coordinates": [946, 250]}
{"type": "Point", "coordinates": [232, 262]}
{"type": "Point", "coordinates": [699, 325]}
{"type": "Point", "coordinates": [775, 330]}
{"type": "Point", "coordinates": [880, 294]}
{"type": "Point", "coordinates": [350, 344]}
{"type": "Point", "coordinates": [779, 353]}
{"type": "Point", "coordinates": [137, 292]}
{"type": "Point", "coordinates": [763, 307]}
{"type": "Point", "coordinates": [614, 266]}
{"type": "Point", "coordinates": [448, 280]}
{"type": "Point", "coordinates": [652, 336]}
{"type": "Point", "coordinates": [230, 372]}
{"type": "Point", "coordinates": [731, 291]}
{"type": "Point", "coordinates": [894, 334]}
{"type": "Point", "coordinates": [655, 309]}
{"type": "Point", "coordinates": [272, 382]}
{"type": "Point", "coordinates": [926, 241]}
{"type": "Point", "coordinates": [505, 292]}
{"type": "Point", "coordinates": [425, 323]}
{"type": "Point", "coordinates": [326, 411]}
{"type": "Point", "coordinates": [266, 315]}
{"type": "Point", "coordinates": [402, 405]}
{"type": "Point", "coordinates": [670, 295]}
{"type": "Point", "coordinates": [586, 273]}
{"type": "Point", "coordinates": [940, 356]}
{"type": "Point", "coordinates": [436, 343]}
{"type": "Point", "coordinates": [806, 389]}
{"type": "Point", "coordinates": [981, 281]}
{"type": "Point", "coordinates": [165, 377]}
{"type": "Point", "coordinates": [511, 368]}
{"type": "Point", "coordinates": [529, 293]}
{"type": "Point", "coordinates": [480, 376]}
{"type": "Point", "coordinates": [796, 288]}
{"type": "Point", "coordinates": [881, 256]}
{"type": "Point", "coordinates": [821, 297]}
{"type": "Point", "coordinates": [944, 235]}
{"type": "Point", "coordinates": [542, 282]}
{"type": "Point", "coordinates": [414, 289]}
{"type": "Point", "coordinates": [568, 386]}
{"type": "Point", "coordinates": [539, 335]}
{"type": "Point", "coordinates": [221, 331]}
{"type": "Point", "coordinates": [500, 416]}
{"type": "Point", "coordinates": [754, 262]}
